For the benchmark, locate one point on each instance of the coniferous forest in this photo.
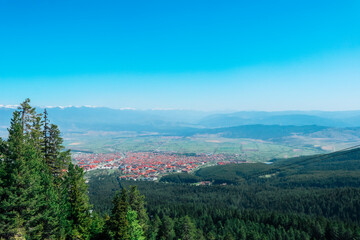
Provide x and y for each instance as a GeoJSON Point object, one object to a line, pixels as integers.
{"type": "Point", "coordinates": [44, 196]}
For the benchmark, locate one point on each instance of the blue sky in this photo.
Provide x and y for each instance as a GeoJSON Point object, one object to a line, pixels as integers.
{"type": "Point", "coordinates": [203, 55]}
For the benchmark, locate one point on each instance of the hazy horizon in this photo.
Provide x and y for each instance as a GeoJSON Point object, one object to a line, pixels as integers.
{"type": "Point", "coordinates": [15, 106]}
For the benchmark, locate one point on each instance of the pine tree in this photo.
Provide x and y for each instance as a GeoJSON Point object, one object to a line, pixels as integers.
{"type": "Point", "coordinates": [27, 114]}
{"type": "Point", "coordinates": [50, 206]}
{"type": "Point", "coordinates": [97, 228]}
{"type": "Point", "coordinates": [331, 232]}
{"type": "Point", "coordinates": [31, 123]}
{"type": "Point", "coordinates": [57, 159]}
{"type": "Point", "coordinates": [45, 143]}
{"type": "Point", "coordinates": [54, 154]}
{"type": "Point", "coordinates": [211, 235]}
{"type": "Point", "coordinates": [24, 208]}
{"type": "Point", "coordinates": [229, 236]}
{"type": "Point", "coordinates": [135, 230]}
{"type": "Point", "coordinates": [75, 204]}
{"type": "Point", "coordinates": [118, 223]}
{"type": "Point", "coordinates": [15, 180]}
{"type": "Point", "coordinates": [45, 199]}
{"type": "Point", "coordinates": [187, 229]}
{"type": "Point", "coordinates": [167, 231]}
{"type": "Point", "coordinates": [153, 231]}
{"type": "Point", "coordinates": [136, 201]}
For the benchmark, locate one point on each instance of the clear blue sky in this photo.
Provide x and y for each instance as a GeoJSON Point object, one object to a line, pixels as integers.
{"type": "Point", "coordinates": [209, 55]}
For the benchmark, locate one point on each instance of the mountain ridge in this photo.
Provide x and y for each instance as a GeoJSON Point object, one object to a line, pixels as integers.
{"type": "Point", "coordinates": [102, 117]}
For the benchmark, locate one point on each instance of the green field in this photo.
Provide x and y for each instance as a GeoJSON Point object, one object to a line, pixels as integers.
{"type": "Point", "coordinates": [247, 149]}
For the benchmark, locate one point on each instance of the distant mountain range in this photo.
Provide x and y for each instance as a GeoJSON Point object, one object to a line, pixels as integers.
{"type": "Point", "coordinates": [297, 118]}
{"type": "Point", "coordinates": [106, 119]}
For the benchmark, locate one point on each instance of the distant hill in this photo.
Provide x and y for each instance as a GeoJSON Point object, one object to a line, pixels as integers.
{"type": "Point", "coordinates": [330, 119]}
{"type": "Point", "coordinates": [187, 123]}
{"type": "Point", "coordinates": [124, 116]}
{"type": "Point", "coordinates": [338, 169]}
{"type": "Point", "coordinates": [107, 119]}
{"type": "Point", "coordinates": [348, 160]}
{"type": "Point", "coordinates": [264, 132]}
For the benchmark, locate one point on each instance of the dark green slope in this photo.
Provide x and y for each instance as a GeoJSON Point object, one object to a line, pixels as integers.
{"type": "Point", "coordinates": [338, 169]}
{"type": "Point", "coordinates": [340, 160]}
{"type": "Point", "coordinates": [232, 173]}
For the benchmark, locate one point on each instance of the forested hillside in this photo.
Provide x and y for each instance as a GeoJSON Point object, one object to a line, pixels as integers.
{"type": "Point", "coordinates": [300, 198]}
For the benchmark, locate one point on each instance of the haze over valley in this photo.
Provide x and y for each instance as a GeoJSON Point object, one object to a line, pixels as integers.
{"type": "Point", "coordinates": [253, 135]}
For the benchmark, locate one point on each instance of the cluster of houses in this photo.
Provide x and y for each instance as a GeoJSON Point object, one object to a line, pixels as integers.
{"type": "Point", "coordinates": [148, 165]}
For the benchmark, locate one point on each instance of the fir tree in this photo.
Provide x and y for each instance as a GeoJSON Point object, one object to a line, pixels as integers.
{"type": "Point", "coordinates": [187, 229]}
{"type": "Point", "coordinates": [153, 231]}
{"type": "Point", "coordinates": [75, 204]}
{"type": "Point", "coordinates": [15, 180]}
{"type": "Point", "coordinates": [27, 114]}
{"type": "Point", "coordinates": [57, 159]}
{"type": "Point", "coordinates": [229, 236]}
{"type": "Point", "coordinates": [135, 230]}
{"type": "Point", "coordinates": [26, 186]}
{"type": "Point", "coordinates": [45, 143]}
{"type": "Point", "coordinates": [136, 201]}
{"type": "Point", "coordinates": [118, 223]}
{"type": "Point", "coordinates": [97, 228]}
{"type": "Point", "coordinates": [31, 123]}
{"type": "Point", "coordinates": [166, 231]}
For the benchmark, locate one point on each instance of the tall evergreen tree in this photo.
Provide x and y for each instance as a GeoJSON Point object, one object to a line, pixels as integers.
{"type": "Point", "coordinates": [13, 181]}
{"type": "Point", "coordinates": [31, 123]}
{"type": "Point", "coordinates": [54, 154]}
{"type": "Point", "coordinates": [97, 228]}
{"type": "Point", "coordinates": [153, 231]}
{"type": "Point", "coordinates": [118, 223]}
{"type": "Point", "coordinates": [135, 230]}
{"type": "Point", "coordinates": [166, 231]}
{"type": "Point", "coordinates": [187, 228]}
{"type": "Point", "coordinates": [24, 209]}
{"type": "Point", "coordinates": [75, 204]}
{"type": "Point", "coordinates": [57, 159]}
{"type": "Point", "coordinates": [27, 114]}
{"type": "Point", "coordinates": [43, 195]}
{"type": "Point", "coordinates": [136, 202]}
{"type": "Point", "coordinates": [49, 205]}
{"type": "Point", "coordinates": [45, 143]}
